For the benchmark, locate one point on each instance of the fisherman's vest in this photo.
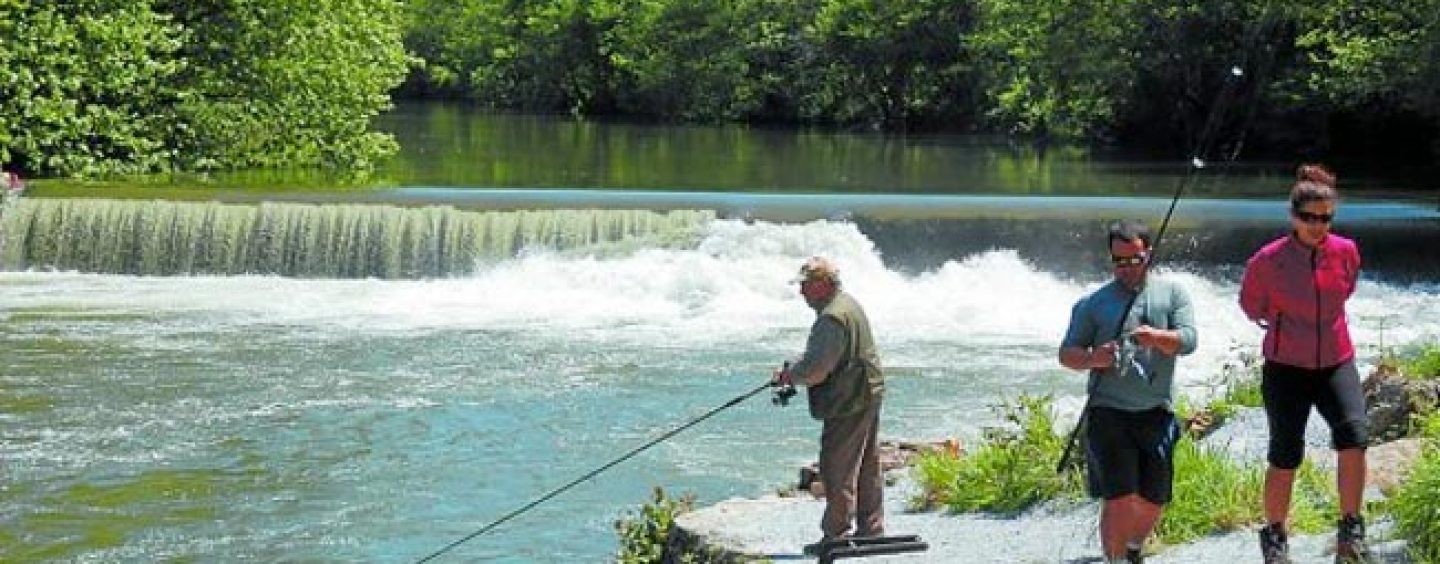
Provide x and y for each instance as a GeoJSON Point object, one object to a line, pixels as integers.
{"type": "Point", "coordinates": [857, 380]}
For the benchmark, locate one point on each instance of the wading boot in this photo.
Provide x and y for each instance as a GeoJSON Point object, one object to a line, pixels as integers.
{"type": "Point", "coordinates": [1274, 547]}
{"type": "Point", "coordinates": [1350, 541]}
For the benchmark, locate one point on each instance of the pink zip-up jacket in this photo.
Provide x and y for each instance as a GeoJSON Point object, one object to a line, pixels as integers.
{"type": "Point", "coordinates": [1300, 293]}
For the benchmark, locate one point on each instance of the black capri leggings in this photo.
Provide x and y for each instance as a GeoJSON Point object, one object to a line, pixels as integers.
{"type": "Point", "coordinates": [1289, 392]}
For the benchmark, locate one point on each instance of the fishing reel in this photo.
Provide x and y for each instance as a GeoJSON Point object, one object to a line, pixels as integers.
{"type": "Point", "coordinates": [783, 392]}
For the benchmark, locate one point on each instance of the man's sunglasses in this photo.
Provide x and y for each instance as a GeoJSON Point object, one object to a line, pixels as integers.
{"type": "Point", "coordinates": [1135, 260]}
{"type": "Point", "coordinates": [1308, 217]}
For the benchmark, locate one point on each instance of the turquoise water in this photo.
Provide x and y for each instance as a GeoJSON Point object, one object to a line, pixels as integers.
{"type": "Point", "coordinates": [238, 417]}
{"type": "Point", "coordinates": [369, 369]}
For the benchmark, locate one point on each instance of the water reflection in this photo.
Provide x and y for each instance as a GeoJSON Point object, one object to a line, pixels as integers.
{"type": "Point", "coordinates": [456, 146]}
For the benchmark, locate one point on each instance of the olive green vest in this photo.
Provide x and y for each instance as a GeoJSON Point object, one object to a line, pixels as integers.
{"type": "Point", "coordinates": [857, 380]}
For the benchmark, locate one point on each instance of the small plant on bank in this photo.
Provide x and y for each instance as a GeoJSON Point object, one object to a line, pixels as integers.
{"type": "Point", "coordinates": [1013, 469]}
{"type": "Point", "coordinates": [643, 534]}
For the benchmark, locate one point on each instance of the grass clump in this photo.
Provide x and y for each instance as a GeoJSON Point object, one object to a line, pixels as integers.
{"type": "Point", "coordinates": [1424, 364]}
{"type": "Point", "coordinates": [1415, 506]}
{"type": "Point", "coordinates": [1214, 493]}
{"type": "Point", "coordinates": [1211, 492]}
{"type": "Point", "coordinates": [643, 534]}
{"type": "Point", "coordinates": [1013, 469]}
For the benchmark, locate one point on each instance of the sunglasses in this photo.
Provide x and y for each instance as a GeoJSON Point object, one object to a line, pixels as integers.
{"type": "Point", "coordinates": [1135, 260]}
{"type": "Point", "coordinates": [1308, 217]}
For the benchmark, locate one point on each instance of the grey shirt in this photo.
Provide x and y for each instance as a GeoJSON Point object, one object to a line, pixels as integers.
{"type": "Point", "coordinates": [1141, 378]}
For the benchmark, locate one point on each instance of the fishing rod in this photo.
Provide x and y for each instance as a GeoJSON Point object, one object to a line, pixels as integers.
{"type": "Point", "coordinates": [782, 395]}
{"type": "Point", "coordinates": [1196, 164]}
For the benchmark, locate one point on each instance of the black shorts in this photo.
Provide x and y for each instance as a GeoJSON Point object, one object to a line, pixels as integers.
{"type": "Point", "coordinates": [1289, 392]}
{"type": "Point", "coordinates": [1130, 452]}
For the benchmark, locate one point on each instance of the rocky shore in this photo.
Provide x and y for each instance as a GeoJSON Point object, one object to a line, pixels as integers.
{"type": "Point", "coordinates": [776, 527]}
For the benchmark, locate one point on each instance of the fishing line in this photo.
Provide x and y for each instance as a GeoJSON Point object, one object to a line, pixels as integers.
{"type": "Point", "coordinates": [595, 472]}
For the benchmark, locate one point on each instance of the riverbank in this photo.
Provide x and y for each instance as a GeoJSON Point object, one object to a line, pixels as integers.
{"type": "Point", "coordinates": [776, 528]}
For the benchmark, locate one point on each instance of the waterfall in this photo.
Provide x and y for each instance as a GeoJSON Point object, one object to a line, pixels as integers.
{"type": "Point", "coordinates": [163, 238]}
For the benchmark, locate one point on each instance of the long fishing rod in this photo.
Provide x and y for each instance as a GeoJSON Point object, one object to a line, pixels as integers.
{"type": "Point", "coordinates": [1196, 164]}
{"type": "Point", "coordinates": [597, 471]}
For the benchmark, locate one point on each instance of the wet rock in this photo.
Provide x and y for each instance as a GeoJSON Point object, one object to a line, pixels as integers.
{"type": "Point", "coordinates": [1393, 400]}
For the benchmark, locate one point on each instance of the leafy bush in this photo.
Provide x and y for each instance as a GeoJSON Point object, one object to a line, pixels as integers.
{"type": "Point", "coordinates": [643, 534]}
{"type": "Point", "coordinates": [1012, 470]}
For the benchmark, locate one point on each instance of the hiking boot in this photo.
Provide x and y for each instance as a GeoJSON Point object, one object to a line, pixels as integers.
{"type": "Point", "coordinates": [1274, 548]}
{"type": "Point", "coordinates": [1350, 541]}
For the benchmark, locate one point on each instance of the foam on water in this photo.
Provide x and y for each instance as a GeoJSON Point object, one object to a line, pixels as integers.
{"type": "Point", "coordinates": [398, 414]}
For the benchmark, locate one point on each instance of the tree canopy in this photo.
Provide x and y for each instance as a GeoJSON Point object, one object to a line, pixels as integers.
{"type": "Point", "coordinates": [92, 87]}
{"type": "Point", "coordinates": [1145, 73]}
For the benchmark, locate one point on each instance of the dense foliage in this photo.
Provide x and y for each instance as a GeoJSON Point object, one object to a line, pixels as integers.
{"type": "Point", "coordinates": [91, 87]}
{"type": "Point", "coordinates": [107, 86]}
{"type": "Point", "coordinates": [1314, 76]}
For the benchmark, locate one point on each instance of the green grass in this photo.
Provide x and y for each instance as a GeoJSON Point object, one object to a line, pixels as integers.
{"type": "Point", "coordinates": [1415, 506]}
{"type": "Point", "coordinates": [1213, 493]}
{"type": "Point", "coordinates": [1013, 469]}
{"type": "Point", "coordinates": [1422, 364]}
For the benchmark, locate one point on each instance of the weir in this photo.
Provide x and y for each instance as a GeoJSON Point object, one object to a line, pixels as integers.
{"type": "Point", "coordinates": [159, 238]}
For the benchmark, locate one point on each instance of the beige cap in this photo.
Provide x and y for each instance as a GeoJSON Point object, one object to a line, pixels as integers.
{"type": "Point", "coordinates": [818, 268]}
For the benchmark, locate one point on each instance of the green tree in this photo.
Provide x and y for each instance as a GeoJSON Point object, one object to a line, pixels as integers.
{"type": "Point", "coordinates": [1055, 67]}
{"type": "Point", "coordinates": [287, 82]}
{"type": "Point", "coordinates": [95, 87]}
{"type": "Point", "coordinates": [531, 55]}
{"type": "Point", "coordinates": [1184, 91]}
{"type": "Point", "coordinates": [891, 64]}
{"type": "Point", "coordinates": [681, 60]}
{"type": "Point", "coordinates": [1374, 60]}
{"type": "Point", "coordinates": [86, 87]}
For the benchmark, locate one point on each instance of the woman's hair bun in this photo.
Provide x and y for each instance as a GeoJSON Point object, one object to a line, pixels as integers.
{"type": "Point", "coordinates": [1317, 173]}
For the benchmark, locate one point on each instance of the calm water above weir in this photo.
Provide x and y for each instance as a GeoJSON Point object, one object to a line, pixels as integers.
{"type": "Point", "coordinates": [368, 373]}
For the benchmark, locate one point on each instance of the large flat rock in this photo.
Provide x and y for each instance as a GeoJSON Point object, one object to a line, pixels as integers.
{"type": "Point", "coordinates": [776, 528]}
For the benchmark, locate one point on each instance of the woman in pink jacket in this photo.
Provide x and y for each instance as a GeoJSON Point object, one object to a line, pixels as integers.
{"type": "Point", "coordinates": [1295, 287]}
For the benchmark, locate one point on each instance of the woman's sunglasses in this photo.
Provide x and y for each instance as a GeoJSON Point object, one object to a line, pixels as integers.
{"type": "Point", "coordinates": [1308, 217]}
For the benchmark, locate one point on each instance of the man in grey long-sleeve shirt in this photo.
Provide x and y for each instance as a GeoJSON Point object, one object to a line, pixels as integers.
{"type": "Point", "coordinates": [1130, 427]}
{"type": "Point", "coordinates": [844, 385]}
